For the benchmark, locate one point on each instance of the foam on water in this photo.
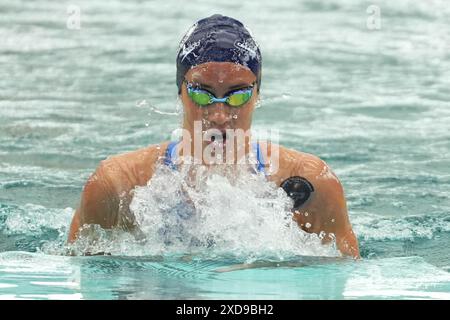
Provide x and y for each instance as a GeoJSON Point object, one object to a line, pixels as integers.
{"type": "Point", "coordinates": [373, 227]}
{"type": "Point", "coordinates": [35, 220]}
{"type": "Point", "coordinates": [193, 211]}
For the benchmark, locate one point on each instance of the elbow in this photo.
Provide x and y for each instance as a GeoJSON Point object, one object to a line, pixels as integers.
{"type": "Point", "coordinates": [348, 245]}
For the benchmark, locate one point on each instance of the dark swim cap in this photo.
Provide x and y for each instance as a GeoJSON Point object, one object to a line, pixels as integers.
{"type": "Point", "coordinates": [220, 39]}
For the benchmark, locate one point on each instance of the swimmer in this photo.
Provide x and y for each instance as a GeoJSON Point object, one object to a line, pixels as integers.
{"type": "Point", "coordinates": [219, 78]}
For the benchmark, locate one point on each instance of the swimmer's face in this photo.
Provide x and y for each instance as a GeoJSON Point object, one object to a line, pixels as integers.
{"type": "Point", "coordinates": [219, 78]}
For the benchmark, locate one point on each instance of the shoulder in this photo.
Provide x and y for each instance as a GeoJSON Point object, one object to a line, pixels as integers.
{"type": "Point", "coordinates": [134, 167]}
{"type": "Point", "coordinates": [296, 162]}
{"type": "Point", "coordinates": [289, 162]}
{"type": "Point", "coordinates": [319, 200]}
{"type": "Point", "coordinates": [312, 168]}
{"type": "Point", "coordinates": [311, 179]}
{"type": "Point", "coordinates": [112, 181]}
{"type": "Point", "coordinates": [142, 155]}
{"type": "Point", "coordinates": [327, 200]}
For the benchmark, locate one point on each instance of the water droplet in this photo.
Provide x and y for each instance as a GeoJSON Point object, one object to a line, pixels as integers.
{"type": "Point", "coordinates": [286, 96]}
{"type": "Point", "coordinates": [308, 225]}
{"type": "Point", "coordinates": [306, 214]}
{"type": "Point", "coordinates": [146, 124]}
{"type": "Point", "coordinates": [371, 255]}
{"type": "Point", "coordinates": [141, 103]}
{"type": "Point", "coordinates": [235, 116]}
{"type": "Point", "coordinates": [332, 220]}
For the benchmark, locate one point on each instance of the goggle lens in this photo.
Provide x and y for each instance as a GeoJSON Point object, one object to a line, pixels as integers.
{"type": "Point", "coordinates": [199, 97]}
{"type": "Point", "coordinates": [239, 98]}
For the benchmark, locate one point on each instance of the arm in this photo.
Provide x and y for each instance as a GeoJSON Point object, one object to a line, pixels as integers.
{"type": "Point", "coordinates": [99, 203]}
{"type": "Point", "coordinates": [325, 212]}
{"type": "Point", "coordinates": [334, 218]}
{"type": "Point", "coordinates": [109, 190]}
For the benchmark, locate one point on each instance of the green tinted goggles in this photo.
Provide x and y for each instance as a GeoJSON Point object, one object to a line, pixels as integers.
{"type": "Point", "coordinates": [204, 98]}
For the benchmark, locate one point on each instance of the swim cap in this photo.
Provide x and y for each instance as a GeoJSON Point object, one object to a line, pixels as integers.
{"type": "Point", "coordinates": [220, 39]}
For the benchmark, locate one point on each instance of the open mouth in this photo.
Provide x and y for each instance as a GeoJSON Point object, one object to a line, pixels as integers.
{"type": "Point", "coordinates": [224, 137]}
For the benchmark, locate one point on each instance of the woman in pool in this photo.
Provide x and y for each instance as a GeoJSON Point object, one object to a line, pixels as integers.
{"type": "Point", "coordinates": [218, 78]}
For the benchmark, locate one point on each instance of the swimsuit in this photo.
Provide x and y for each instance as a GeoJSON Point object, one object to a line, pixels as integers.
{"type": "Point", "coordinates": [171, 155]}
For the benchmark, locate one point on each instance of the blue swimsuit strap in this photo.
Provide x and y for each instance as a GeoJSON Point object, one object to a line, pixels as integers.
{"type": "Point", "coordinates": [171, 154]}
{"type": "Point", "coordinates": [259, 157]}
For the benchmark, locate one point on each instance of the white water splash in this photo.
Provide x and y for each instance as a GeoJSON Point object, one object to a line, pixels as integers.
{"type": "Point", "coordinates": [34, 219]}
{"type": "Point", "coordinates": [200, 211]}
{"type": "Point", "coordinates": [374, 227]}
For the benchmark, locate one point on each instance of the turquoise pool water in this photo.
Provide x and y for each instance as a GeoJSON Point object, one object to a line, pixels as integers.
{"type": "Point", "coordinates": [373, 103]}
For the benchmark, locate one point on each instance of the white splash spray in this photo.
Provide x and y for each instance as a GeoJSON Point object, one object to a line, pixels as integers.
{"type": "Point", "coordinates": [217, 211]}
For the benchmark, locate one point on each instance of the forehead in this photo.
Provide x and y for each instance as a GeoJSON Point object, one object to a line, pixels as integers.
{"type": "Point", "coordinates": [220, 72]}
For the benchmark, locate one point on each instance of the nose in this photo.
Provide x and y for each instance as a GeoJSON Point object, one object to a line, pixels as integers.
{"type": "Point", "coordinates": [218, 114]}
